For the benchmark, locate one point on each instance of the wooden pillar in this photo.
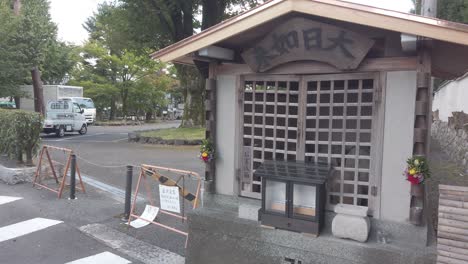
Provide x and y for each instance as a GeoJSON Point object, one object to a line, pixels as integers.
{"type": "Point", "coordinates": [422, 125]}
{"type": "Point", "coordinates": [423, 113]}
{"type": "Point", "coordinates": [210, 115]}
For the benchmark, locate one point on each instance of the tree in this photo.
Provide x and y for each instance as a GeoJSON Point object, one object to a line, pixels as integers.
{"type": "Point", "coordinates": [149, 95]}
{"type": "Point", "coordinates": [60, 58]}
{"type": "Point", "coordinates": [161, 22]}
{"type": "Point", "coordinates": [12, 70]}
{"type": "Point", "coordinates": [27, 40]}
{"type": "Point", "coordinates": [112, 72]}
{"type": "Point", "coordinates": [453, 10]}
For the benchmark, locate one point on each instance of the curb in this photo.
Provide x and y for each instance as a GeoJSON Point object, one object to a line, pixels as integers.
{"type": "Point", "coordinates": [131, 246]}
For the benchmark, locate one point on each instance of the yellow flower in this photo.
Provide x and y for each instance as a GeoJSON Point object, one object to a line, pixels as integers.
{"type": "Point", "coordinates": [204, 154]}
{"type": "Point", "coordinates": [412, 172]}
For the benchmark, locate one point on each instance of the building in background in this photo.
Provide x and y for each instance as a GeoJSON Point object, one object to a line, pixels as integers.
{"type": "Point", "coordinates": [452, 96]}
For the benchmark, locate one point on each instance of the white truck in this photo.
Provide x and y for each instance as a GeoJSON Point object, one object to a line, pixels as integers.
{"type": "Point", "coordinates": [56, 92]}
{"type": "Point", "coordinates": [86, 104]}
{"type": "Point", "coordinates": [64, 116]}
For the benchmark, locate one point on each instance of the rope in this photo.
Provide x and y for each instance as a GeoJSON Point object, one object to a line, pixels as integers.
{"type": "Point", "coordinates": [103, 165]}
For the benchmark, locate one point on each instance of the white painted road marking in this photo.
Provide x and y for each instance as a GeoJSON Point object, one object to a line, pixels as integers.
{"type": "Point", "coordinates": [116, 193]}
{"type": "Point", "coordinates": [81, 136]}
{"type": "Point", "coordinates": [104, 257]}
{"type": "Point", "coordinates": [8, 199]}
{"type": "Point", "coordinates": [25, 227]}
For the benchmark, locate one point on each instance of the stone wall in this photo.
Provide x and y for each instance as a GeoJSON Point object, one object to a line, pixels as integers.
{"type": "Point", "coordinates": [453, 138]}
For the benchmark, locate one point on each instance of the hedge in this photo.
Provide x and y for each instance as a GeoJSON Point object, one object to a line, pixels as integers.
{"type": "Point", "coordinates": [20, 134]}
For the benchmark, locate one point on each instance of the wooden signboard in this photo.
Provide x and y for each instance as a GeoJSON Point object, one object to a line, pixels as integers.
{"type": "Point", "coordinates": [300, 39]}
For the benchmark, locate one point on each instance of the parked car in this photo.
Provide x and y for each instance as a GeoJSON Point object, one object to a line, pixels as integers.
{"type": "Point", "coordinates": [7, 105]}
{"type": "Point", "coordinates": [64, 116]}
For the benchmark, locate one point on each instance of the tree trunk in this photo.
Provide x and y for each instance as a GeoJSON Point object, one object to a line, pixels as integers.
{"type": "Point", "coordinates": [194, 96]}
{"type": "Point", "coordinates": [37, 90]}
{"type": "Point", "coordinates": [429, 8]}
{"type": "Point", "coordinates": [112, 109]}
{"type": "Point", "coordinates": [124, 101]}
{"type": "Point", "coordinates": [17, 7]}
{"type": "Point", "coordinates": [29, 160]}
{"type": "Point", "coordinates": [149, 115]}
{"type": "Point", "coordinates": [213, 11]}
{"type": "Point", "coordinates": [17, 102]}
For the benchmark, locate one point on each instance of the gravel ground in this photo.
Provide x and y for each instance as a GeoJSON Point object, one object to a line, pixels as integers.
{"type": "Point", "coordinates": [444, 171]}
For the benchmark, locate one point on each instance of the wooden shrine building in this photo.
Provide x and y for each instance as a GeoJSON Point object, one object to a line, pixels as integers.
{"type": "Point", "coordinates": [324, 81]}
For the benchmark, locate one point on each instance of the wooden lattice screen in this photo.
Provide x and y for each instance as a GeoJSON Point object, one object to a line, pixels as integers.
{"type": "Point", "coordinates": [323, 118]}
{"type": "Point", "coordinates": [452, 235]}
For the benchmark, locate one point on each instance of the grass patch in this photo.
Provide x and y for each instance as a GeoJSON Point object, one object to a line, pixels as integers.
{"type": "Point", "coordinates": [177, 133]}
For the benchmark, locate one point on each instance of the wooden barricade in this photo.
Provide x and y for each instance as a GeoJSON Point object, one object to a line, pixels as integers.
{"type": "Point", "coordinates": [38, 177]}
{"type": "Point", "coordinates": [452, 235]}
{"type": "Point", "coordinates": [155, 173]}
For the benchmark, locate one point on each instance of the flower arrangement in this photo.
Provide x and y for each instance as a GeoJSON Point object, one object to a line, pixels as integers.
{"type": "Point", "coordinates": [417, 170]}
{"type": "Point", "coordinates": [207, 151]}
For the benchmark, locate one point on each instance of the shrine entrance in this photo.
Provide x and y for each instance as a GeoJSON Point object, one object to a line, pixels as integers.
{"type": "Point", "coordinates": [323, 118]}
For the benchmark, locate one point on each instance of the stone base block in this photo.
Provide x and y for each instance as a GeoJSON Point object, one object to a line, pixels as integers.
{"type": "Point", "coordinates": [351, 227]}
{"type": "Point", "coordinates": [15, 176]}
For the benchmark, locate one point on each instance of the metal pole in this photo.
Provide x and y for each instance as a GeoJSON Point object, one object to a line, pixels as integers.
{"type": "Point", "coordinates": [128, 191]}
{"type": "Point", "coordinates": [73, 177]}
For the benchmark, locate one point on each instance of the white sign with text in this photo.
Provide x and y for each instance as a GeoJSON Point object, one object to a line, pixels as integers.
{"type": "Point", "coordinates": [169, 197]}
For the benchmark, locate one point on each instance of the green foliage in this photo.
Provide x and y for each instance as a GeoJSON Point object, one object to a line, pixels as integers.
{"type": "Point", "coordinates": [453, 10]}
{"type": "Point", "coordinates": [158, 23]}
{"type": "Point", "coordinates": [60, 59]}
{"type": "Point", "coordinates": [149, 94]}
{"type": "Point", "coordinates": [28, 40]}
{"type": "Point", "coordinates": [110, 78]}
{"type": "Point", "coordinates": [123, 33]}
{"type": "Point", "coordinates": [12, 70]}
{"type": "Point", "coordinates": [207, 146]}
{"type": "Point", "coordinates": [19, 133]}
{"type": "Point", "coordinates": [420, 165]}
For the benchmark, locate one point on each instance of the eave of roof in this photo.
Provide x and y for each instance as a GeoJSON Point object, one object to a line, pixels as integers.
{"type": "Point", "coordinates": [334, 9]}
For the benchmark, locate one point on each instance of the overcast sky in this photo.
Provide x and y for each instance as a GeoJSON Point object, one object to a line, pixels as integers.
{"type": "Point", "coordinates": [71, 14]}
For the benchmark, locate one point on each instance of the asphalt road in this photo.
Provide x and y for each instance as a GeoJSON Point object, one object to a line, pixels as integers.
{"type": "Point", "coordinates": [104, 152]}
{"type": "Point", "coordinates": [102, 156]}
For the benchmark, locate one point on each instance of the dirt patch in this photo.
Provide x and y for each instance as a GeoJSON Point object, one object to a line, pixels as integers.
{"type": "Point", "coordinates": [11, 163]}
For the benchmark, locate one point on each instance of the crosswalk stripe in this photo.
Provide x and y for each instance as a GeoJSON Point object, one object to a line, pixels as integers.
{"type": "Point", "coordinates": [8, 199]}
{"type": "Point", "coordinates": [25, 227]}
{"type": "Point", "coordinates": [104, 257]}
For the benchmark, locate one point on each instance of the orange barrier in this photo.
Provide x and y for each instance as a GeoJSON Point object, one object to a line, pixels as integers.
{"type": "Point", "coordinates": [155, 172]}
{"type": "Point", "coordinates": [38, 178]}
